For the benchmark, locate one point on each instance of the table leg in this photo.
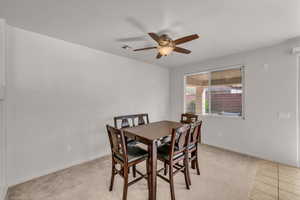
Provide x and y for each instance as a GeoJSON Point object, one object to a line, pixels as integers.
{"type": "Point", "coordinates": [152, 149]}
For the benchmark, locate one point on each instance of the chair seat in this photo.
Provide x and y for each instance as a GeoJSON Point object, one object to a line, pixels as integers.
{"type": "Point", "coordinates": [135, 153]}
{"type": "Point", "coordinates": [191, 146]}
{"type": "Point", "coordinates": [132, 142]}
{"type": "Point", "coordinates": [163, 152]}
{"type": "Point", "coordinates": [163, 141]}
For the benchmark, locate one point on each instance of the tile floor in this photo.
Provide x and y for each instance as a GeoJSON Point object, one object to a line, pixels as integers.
{"type": "Point", "coordinates": [275, 182]}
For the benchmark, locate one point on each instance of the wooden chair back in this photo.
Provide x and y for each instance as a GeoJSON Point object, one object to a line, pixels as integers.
{"type": "Point", "coordinates": [143, 119]}
{"type": "Point", "coordinates": [117, 143]}
{"type": "Point", "coordinates": [130, 120]}
{"type": "Point", "coordinates": [179, 140]}
{"type": "Point", "coordinates": [188, 118]}
{"type": "Point", "coordinates": [195, 132]}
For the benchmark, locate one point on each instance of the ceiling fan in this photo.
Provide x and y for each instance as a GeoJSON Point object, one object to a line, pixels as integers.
{"type": "Point", "coordinates": [166, 45]}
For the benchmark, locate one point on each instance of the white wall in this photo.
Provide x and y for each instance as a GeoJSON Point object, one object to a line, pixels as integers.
{"type": "Point", "coordinates": [267, 92]}
{"type": "Point", "coordinates": [61, 95]}
{"type": "Point", "coordinates": [3, 186]}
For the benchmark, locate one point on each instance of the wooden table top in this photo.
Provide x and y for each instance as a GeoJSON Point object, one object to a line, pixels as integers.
{"type": "Point", "coordinates": [152, 131]}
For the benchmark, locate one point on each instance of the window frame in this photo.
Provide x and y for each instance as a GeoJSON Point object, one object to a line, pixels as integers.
{"type": "Point", "coordinates": [209, 71]}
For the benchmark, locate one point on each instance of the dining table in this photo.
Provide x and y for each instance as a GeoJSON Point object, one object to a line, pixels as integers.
{"type": "Point", "coordinates": [150, 134]}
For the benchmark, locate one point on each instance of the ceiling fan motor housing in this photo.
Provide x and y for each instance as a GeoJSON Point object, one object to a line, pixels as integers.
{"type": "Point", "coordinates": [165, 40]}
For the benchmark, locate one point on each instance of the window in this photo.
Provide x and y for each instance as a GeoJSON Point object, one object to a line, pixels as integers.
{"type": "Point", "coordinates": [218, 92]}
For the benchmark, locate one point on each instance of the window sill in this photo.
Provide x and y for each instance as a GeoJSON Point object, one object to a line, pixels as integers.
{"type": "Point", "coordinates": [221, 116]}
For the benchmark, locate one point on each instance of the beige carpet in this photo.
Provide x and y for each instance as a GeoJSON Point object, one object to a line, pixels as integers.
{"type": "Point", "coordinates": [224, 176]}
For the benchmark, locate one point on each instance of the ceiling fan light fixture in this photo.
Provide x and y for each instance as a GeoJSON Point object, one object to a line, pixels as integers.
{"type": "Point", "coordinates": [165, 50]}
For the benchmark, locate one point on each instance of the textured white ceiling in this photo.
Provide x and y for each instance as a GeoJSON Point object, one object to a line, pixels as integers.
{"type": "Point", "coordinates": [225, 26]}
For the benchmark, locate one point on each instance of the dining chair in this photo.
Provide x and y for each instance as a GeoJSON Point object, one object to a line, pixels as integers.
{"type": "Point", "coordinates": [172, 154]}
{"type": "Point", "coordinates": [127, 121]}
{"type": "Point", "coordinates": [187, 118]}
{"type": "Point", "coordinates": [195, 135]}
{"type": "Point", "coordinates": [126, 156]}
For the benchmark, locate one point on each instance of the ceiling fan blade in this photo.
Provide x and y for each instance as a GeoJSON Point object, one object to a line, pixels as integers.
{"type": "Point", "coordinates": [137, 24]}
{"type": "Point", "coordinates": [144, 48]}
{"type": "Point", "coordinates": [166, 31]}
{"type": "Point", "coordinates": [186, 39]}
{"type": "Point", "coordinates": [182, 50]}
{"type": "Point", "coordinates": [158, 56]}
{"type": "Point", "coordinates": [154, 36]}
{"type": "Point", "coordinates": [132, 39]}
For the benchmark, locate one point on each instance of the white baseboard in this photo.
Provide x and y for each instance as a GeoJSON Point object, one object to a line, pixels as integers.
{"type": "Point", "coordinates": [57, 168]}
{"type": "Point", "coordinates": [257, 156]}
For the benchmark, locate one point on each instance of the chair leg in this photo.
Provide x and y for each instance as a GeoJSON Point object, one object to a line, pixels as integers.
{"type": "Point", "coordinates": [134, 171]}
{"type": "Point", "coordinates": [165, 169]}
{"type": "Point", "coordinates": [197, 163]}
{"type": "Point", "coordinates": [171, 181]}
{"type": "Point", "coordinates": [112, 175]}
{"type": "Point", "coordinates": [193, 164]}
{"type": "Point", "coordinates": [125, 188]}
{"type": "Point", "coordinates": [148, 173]}
{"type": "Point", "coordinates": [187, 183]}
{"type": "Point", "coordinates": [187, 169]}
